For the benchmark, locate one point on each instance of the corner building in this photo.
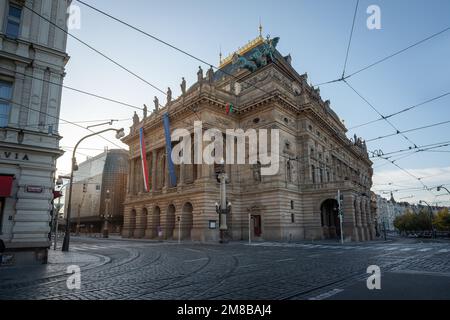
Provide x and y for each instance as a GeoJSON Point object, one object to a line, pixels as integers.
{"type": "Point", "coordinates": [32, 69]}
{"type": "Point", "coordinates": [299, 202]}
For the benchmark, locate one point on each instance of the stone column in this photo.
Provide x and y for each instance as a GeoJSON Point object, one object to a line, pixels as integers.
{"type": "Point", "coordinates": [131, 178]}
{"type": "Point", "coordinates": [167, 224]}
{"type": "Point", "coordinates": [166, 174]}
{"type": "Point", "coordinates": [141, 223]}
{"type": "Point", "coordinates": [349, 217]}
{"type": "Point", "coordinates": [154, 164]}
{"type": "Point", "coordinates": [370, 222]}
{"type": "Point", "coordinates": [363, 220]}
{"type": "Point", "coordinates": [126, 230]}
{"type": "Point", "coordinates": [357, 219]}
{"type": "Point", "coordinates": [152, 224]}
{"type": "Point", "coordinates": [180, 181]}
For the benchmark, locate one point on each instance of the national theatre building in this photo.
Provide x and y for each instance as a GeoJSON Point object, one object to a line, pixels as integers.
{"type": "Point", "coordinates": [255, 88]}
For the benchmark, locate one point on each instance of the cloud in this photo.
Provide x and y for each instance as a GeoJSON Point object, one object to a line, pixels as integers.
{"type": "Point", "coordinates": [406, 188]}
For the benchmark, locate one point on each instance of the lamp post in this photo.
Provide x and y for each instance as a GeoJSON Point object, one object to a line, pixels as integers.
{"type": "Point", "coordinates": [107, 215]}
{"type": "Point", "coordinates": [120, 133]}
{"type": "Point", "coordinates": [59, 183]}
{"type": "Point", "coordinates": [431, 216]}
{"type": "Point", "coordinates": [224, 207]}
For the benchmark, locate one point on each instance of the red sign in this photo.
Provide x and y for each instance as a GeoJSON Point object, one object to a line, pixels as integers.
{"type": "Point", "coordinates": [6, 186]}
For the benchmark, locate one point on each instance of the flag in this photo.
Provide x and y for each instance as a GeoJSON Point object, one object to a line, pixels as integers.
{"type": "Point", "coordinates": [172, 175]}
{"type": "Point", "coordinates": [144, 160]}
{"type": "Point", "coordinates": [229, 108]}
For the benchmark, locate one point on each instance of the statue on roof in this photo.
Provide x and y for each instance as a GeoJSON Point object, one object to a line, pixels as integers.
{"type": "Point", "coordinates": [259, 56]}
{"type": "Point", "coordinates": [156, 102]}
{"type": "Point", "coordinates": [210, 75]}
{"type": "Point", "coordinates": [145, 111]}
{"type": "Point", "coordinates": [169, 95]}
{"type": "Point", "coordinates": [183, 86]}
{"type": "Point", "coordinates": [200, 74]}
{"type": "Point", "coordinates": [135, 119]}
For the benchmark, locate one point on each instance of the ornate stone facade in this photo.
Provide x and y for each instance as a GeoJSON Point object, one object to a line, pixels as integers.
{"type": "Point", "coordinates": [316, 160]}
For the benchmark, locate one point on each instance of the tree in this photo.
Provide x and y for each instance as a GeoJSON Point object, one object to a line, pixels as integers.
{"type": "Point", "coordinates": [442, 220]}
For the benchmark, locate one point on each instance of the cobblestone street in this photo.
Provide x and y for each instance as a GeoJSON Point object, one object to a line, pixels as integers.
{"type": "Point", "coordinates": [121, 269]}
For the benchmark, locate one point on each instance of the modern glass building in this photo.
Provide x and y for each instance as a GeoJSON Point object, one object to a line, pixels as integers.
{"type": "Point", "coordinates": [98, 193]}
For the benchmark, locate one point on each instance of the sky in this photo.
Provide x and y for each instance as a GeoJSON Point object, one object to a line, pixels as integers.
{"type": "Point", "coordinates": [314, 32]}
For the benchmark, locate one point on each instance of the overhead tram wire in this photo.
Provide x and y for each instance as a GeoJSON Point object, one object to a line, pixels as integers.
{"type": "Point", "coordinates": [401, 111]}
{"type": "Point", "coordinates": [171, 46]}
{"type": "Point", "coordinates": [76, 90]}
{"type": "Point", "coordinates": [387, 57]}
{"type": "Point", "coordinates": [55, 117]}
{"type": "Point", "coordinates": [409, 130]}
{"type": "Point", "coordinates": [423, 148]}
{"type": "Point", "coordinates": [35, 125]}
{"type": "Point", "coordinates": [350, 39]}
{"type": "Point", "coordinates": [103, 55]}
{"type": "Point", "coordinates": [379, 113]}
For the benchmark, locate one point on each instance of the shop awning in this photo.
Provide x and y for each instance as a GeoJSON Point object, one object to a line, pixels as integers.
{"type": "Point", "coordinates": [6, 183]}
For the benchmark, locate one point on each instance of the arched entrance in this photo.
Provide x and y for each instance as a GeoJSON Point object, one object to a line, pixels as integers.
{"type": "Point", "coordinates": [186, 221]}
{"type": "Point", "coordinates": [170, 222]}
{"type": "Point", "coordinates": [330, 219]}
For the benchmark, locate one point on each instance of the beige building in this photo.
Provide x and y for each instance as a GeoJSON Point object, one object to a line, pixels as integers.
{"type": "Point", "coordinates": [299, 202]}
{"type": "Point", "coordinates": [32, 68]}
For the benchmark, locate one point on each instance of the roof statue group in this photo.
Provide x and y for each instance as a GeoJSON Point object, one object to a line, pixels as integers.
{"type": "Point", "coordinates": [359, 142]}
{"type": "Point", "coordinates": [258, 57]}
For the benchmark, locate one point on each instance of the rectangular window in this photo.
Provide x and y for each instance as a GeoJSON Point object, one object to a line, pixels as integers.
{"type": "Point", "coordinates": [13, 21]}
{"type": "Point", "coordinates": [292, 218]}
{"type": "Point", "coordinates": [5, 107]}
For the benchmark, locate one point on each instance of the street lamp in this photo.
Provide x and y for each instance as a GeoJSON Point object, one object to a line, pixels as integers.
{"type": "Point", "coordinates": [442, 187]}
{"type": "Point", "coordinates": [431, 216]}
{"type": "Point", "coordinates": [59, 183]}
{"type": "Point", "coordinates": [120, 133]}
{"type": "Point", "coordinates": [107, 215]}
{"type": "Point", "coordinates": [224, 208]}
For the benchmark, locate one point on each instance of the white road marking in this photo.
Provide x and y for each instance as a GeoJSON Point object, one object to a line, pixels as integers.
{"type": "Point", "coordinates": [327, 295]}
{"type": "Point", "coordinates": [285, 260]}
{"type": "Point", "coordinates": [406, 249]}
{"type": "Point", "coordinates": [201, 259]}
{"type": "Point", "coordinates": [425, 250]}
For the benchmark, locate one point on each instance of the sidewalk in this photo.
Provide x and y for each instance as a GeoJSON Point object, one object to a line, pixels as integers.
{"type": "Point", "coordinates": [58, 262]}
